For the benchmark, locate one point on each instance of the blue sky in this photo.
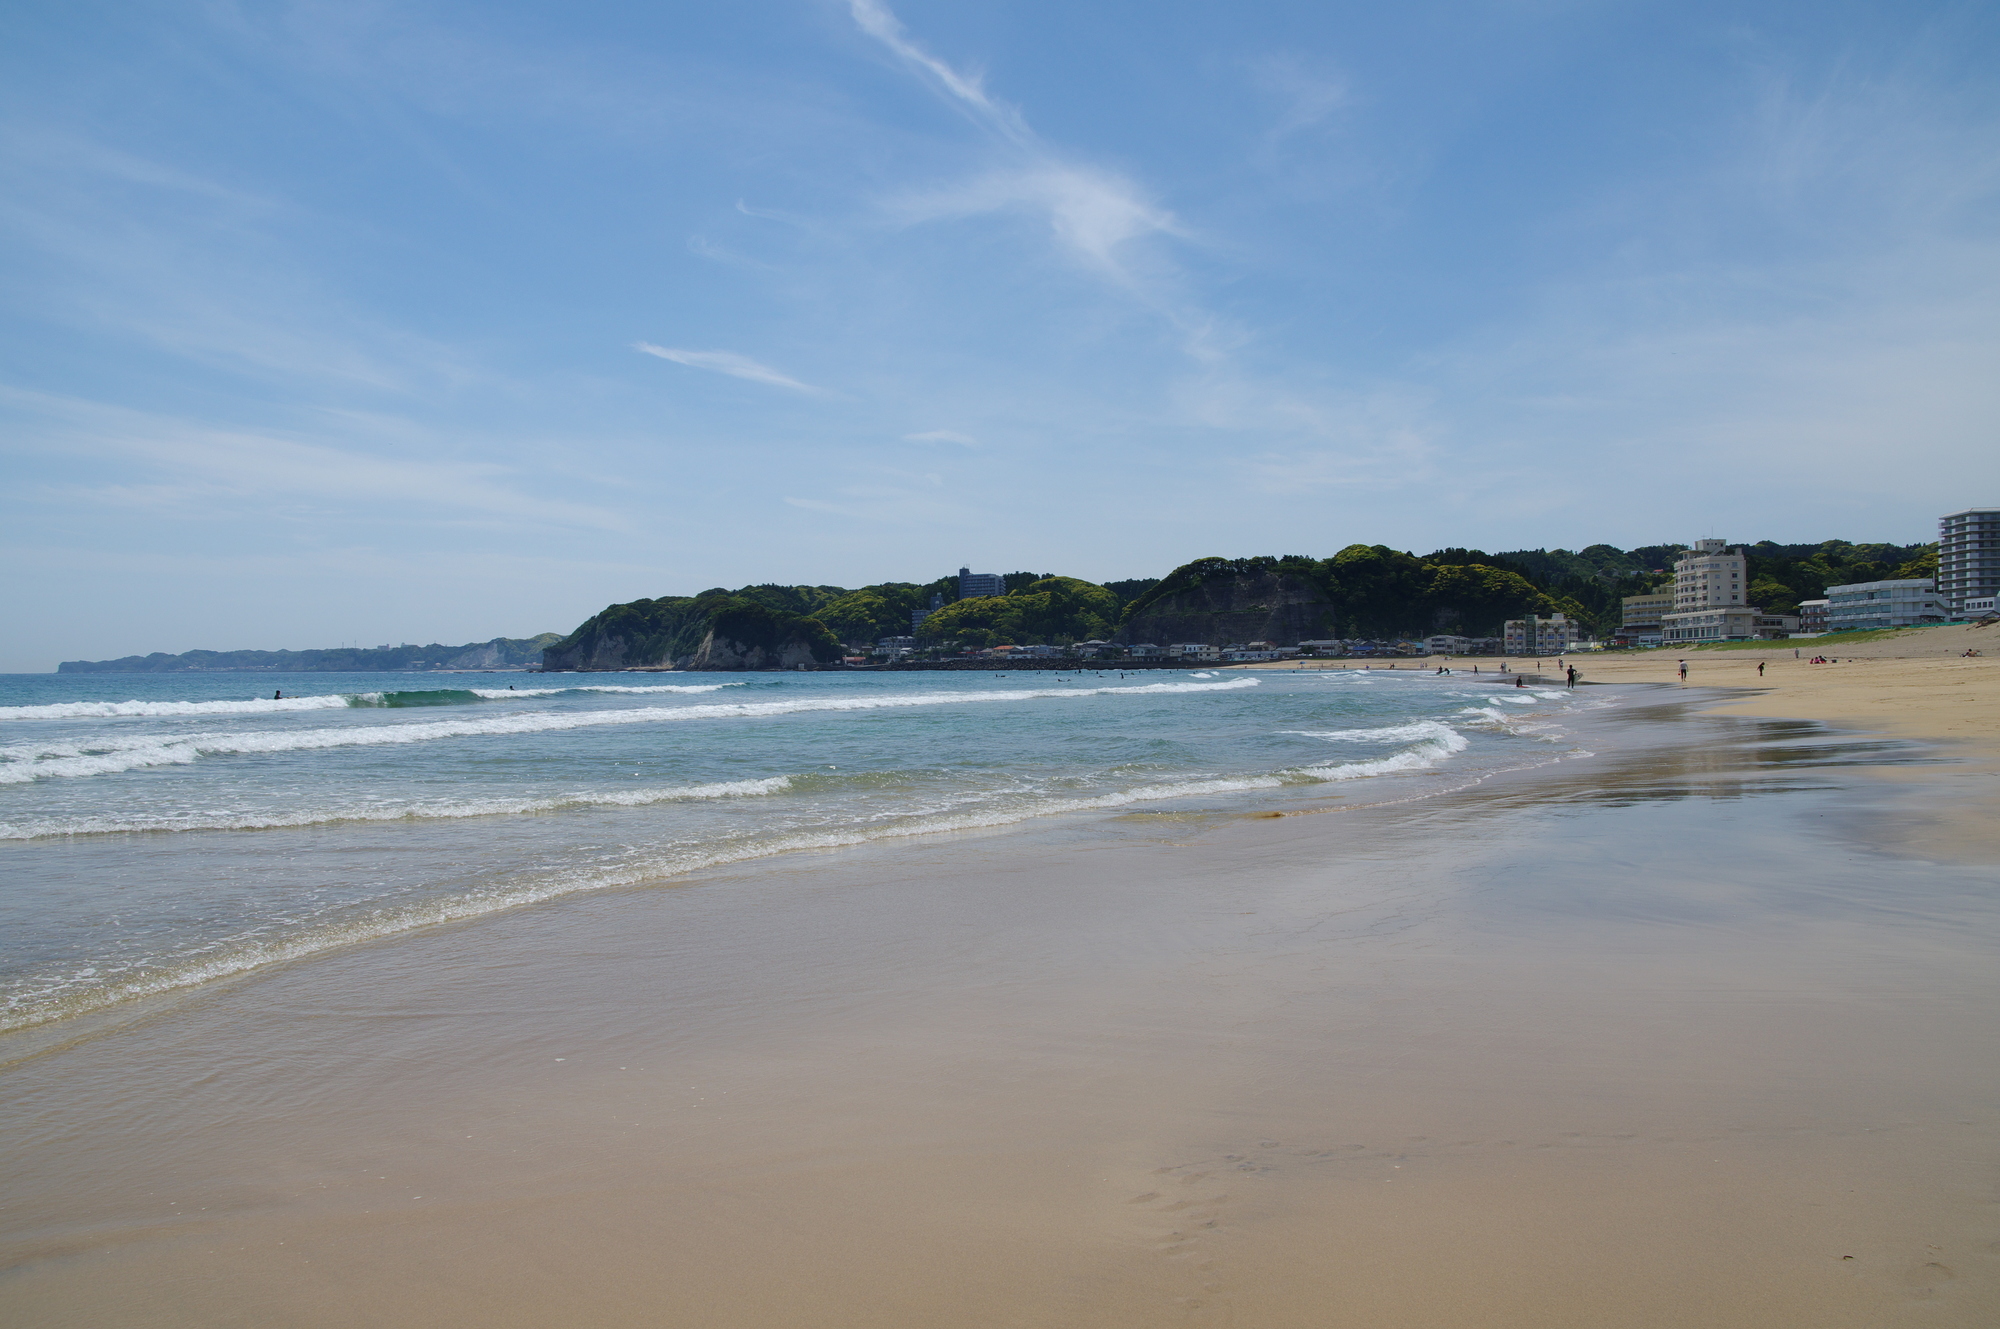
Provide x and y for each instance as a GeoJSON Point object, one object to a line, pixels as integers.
{"type": "Point", "coordinates": [412, 321]}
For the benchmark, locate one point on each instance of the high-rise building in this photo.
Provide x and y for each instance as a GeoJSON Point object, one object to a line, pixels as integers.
{"type": "Point", "coordinates": [1968, 556]}
{"type": "Point", "coordinates": [1711, 596]}
{"type": "Point", "coordinates": [971, 584]}
{"type": "Point", "coordinates": [1710, 576]}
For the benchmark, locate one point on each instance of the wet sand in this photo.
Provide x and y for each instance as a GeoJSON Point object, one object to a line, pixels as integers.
{"type": "Point", "coordinates": [1681, 1033]}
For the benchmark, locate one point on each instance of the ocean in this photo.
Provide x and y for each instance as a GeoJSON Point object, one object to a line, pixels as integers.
{"type": "Point", "coordinates": [164, 831]}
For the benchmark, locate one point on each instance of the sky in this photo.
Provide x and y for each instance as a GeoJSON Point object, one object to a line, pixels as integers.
{"type": "Point", "coordinates": [373, 321]}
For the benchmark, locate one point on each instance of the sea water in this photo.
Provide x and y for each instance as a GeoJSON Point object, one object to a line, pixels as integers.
{"type": "Point", "coordinates": [165, 830]}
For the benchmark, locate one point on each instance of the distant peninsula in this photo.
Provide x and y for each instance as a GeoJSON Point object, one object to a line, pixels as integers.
{"type": "Point", "coordinates": [500, 653]}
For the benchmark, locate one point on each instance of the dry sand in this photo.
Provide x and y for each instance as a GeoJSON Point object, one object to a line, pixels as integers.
{"type": "Point", "coordinates": [1660, 1036]}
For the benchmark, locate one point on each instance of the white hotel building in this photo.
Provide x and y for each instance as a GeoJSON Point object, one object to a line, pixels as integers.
{"type": "Point", "coordinates": [1711, 597]}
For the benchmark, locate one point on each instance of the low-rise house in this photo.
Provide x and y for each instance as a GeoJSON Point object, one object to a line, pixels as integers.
{"type": "Point", "coordinates": [1144, 650]}
{"type": "Point", "coordinates": [1776, 627]}
{"type": "Point", "coordinates": [1196, 650]}
{"type": "Point", "coordinates": [1979, 606]}
{"type": "Point", "coordinates": [1812, 617]}
{"type": "Point", "coordinates": [1324, 646]}
{"type": "Point", "coordinates": [1867, 605]}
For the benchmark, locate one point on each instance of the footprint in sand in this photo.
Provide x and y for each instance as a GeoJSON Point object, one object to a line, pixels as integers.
{"type": "Point", "coordinates": [1926, 1280]}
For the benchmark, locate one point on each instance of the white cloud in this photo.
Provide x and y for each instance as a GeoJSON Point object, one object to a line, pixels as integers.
{"type": "Point", "coordinates": [1092, 212]}
{"type": "Point", "coordinates": [726, 362]}
{"type": "Point", "coordinates": [875, 19]}
{"type": "Point", "coordinates": [207, 472]}
{"type": "Point", "coordinates": [942, 436]}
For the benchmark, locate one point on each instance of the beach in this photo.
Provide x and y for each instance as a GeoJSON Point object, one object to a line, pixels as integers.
{"type": "Point", "coordinates": [1695, 1024]}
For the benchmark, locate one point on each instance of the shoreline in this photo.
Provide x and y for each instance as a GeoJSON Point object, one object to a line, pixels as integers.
{"type": "Point", "coordinates": [1505, 1055]}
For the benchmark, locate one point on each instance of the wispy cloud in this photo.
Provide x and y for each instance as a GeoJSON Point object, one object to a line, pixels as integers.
{"type": "Point", "coordinates": [185, 469]}
{"type": "Point", "coordinates": [726, 362]}
{"type": "Point", "coordinates": [942, 436]}
{"type": "Point", "coordinates": [1093, 212]}
{"type": "Point", "coordinates": [967, 90]}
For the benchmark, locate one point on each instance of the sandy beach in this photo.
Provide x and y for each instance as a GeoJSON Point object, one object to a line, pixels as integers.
{"type": "Point", "coordinates": [1693, 1024]}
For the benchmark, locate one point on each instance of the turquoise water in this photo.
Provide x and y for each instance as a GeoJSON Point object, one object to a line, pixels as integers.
{"type": "Point", "coordinates": [165, 830]}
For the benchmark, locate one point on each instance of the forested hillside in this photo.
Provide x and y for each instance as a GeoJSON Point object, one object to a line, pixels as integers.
{"type": "Point", "coordinates": [1363, 591]}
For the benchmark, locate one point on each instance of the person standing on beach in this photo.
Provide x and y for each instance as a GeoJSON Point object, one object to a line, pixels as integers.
{"type": "Point", "coordinates": [1684, 671]}
{"type": "Point", "coordinates": [1760, 669]}
{"type": "Point", "coordinates": [1572, 676]}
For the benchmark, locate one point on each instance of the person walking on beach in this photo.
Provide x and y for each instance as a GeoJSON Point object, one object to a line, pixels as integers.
{"type": "Point", "coordinates": [1760, 669]}
{"type": "Point", "coordinates": [1572, 677]}
{"type": "Point", "coordinates": [1684, 671]}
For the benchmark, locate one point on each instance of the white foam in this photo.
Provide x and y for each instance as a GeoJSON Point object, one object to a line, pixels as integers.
{"type": "Point", "coordinates": [91, 710]}
{"type": "Point", "coordinates": [23, 762]}
{"type": "Point", "coordinates": [490, 807]}
{"type": "Point", "coordinates": [502, 694]}
{"type": "Point", "coordinates": [1401, 733]}
{"type": "Point", "coordinates": [1439, 745]}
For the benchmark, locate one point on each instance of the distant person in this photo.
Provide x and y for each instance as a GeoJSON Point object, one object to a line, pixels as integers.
{"type": "Point", "coordinates": [1572, 676]}
{"type": "Point", "coordinates": [1760, 669]}
{"type": "Point", "coordinates": [279, 695]}
{"type": "Point", "coordinates": [1520, 682]}
{"type": "Point", "coordinates": [1684, 671]}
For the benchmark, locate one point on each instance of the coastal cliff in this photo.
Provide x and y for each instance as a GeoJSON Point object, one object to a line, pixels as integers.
{"type": "Point", "coordinates": [1219, 601]}
{"type": "Point", "coordinates": [716, 630]}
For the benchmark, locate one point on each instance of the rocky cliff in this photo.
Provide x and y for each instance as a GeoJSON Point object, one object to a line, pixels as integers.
{"type": "Point", "coordinates": [713, 630]}
{"type": "Point", "coordinates": [1220, 601]}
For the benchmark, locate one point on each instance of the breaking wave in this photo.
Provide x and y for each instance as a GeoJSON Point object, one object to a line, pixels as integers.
{"type": "Point", "coordinates": [330, 701]}
{"type": "Point", "coordinates": [23, 762]}
{"type": "Point", "coordinates": [490, 807]}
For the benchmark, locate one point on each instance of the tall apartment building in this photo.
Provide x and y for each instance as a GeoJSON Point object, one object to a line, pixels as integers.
{"type": "Point", "coordinates": [1968, 557]}
{"type": "Point", "coordinates": [1711, 596]}
{"type": "Point", "coordinates": [971, 584]}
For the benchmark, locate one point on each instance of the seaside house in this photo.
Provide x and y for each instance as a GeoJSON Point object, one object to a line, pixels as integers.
{"type": "Point", "coordinates": [1868, 605]}
{"type": "Point", "coordinates": [1979, 606]}
{"type": "Point", "coordinates": [1776, 627]}
{"type": "Point", "coordinates": [1537, 635]}
{"type": "Point", "coordinates": [1144, 650]}
{"type": "Point", "coordinates": [1812, 617]}
{"type": "Point", "coordinates": [1968, 557]}
{"type": "Point", "coordinates": [1196, 650]}
{"type": "Point", "coordinates": [1446, 644]}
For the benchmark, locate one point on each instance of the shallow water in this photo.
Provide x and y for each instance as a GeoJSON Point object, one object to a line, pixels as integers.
{"type": "Point", "coordinates": [160, 831]}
